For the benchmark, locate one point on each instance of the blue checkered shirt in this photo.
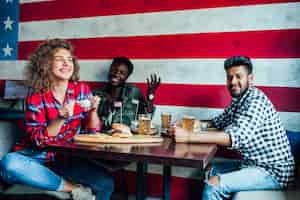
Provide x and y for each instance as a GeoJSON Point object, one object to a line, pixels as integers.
{"type": "Point", "coordinates": [256, 131]}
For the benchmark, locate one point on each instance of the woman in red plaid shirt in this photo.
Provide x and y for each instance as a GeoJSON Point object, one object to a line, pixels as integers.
{"type": "Point", "coordinates": [58, 108]}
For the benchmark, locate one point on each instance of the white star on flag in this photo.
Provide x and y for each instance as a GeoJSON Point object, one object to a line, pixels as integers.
{"type": "Point", "coordinates": [7, 50]}
{"type": "Point", "coordinates": [8, 23]}
{"type": "Point", "coordinates": [9, 1]}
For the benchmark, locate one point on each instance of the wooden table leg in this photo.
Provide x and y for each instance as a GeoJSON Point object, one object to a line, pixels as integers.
{"type": "Point", "coordinates": [167, 182]}
{"type": "Point", "coordinates": [141, 183]}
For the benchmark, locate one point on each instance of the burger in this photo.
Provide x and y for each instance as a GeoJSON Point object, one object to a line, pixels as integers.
{"type": "Point", "coordinates": [120, 130]}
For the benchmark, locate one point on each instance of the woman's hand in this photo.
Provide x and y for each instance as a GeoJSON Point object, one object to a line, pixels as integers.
{"type": "Point", "coordinates": [153, 83]}
{"type": "Point", "coordinates": [95, 100]}
{"type": "Point", "coordinates": [93, 121]}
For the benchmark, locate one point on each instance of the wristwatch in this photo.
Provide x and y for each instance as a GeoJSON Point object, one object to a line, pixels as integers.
{"type": "Point", "coordinates": [151, 97]}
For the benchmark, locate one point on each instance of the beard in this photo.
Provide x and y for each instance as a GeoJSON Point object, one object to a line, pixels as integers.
{"type": "Point", "coordinates": [237, 91]}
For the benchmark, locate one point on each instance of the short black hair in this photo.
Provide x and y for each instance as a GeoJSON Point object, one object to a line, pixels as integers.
{"type": "Point", "coordinates": [239, 60]}
{"type": "Point", "coordinates": [121, 60]}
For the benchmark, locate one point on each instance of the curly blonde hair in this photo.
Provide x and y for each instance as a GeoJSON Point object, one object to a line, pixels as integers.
{"type": "Point", "coordinates": [38, 68]}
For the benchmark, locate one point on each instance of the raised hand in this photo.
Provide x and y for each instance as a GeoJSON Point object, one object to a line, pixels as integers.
{"type": "Point", "coordinates": [153, 83]}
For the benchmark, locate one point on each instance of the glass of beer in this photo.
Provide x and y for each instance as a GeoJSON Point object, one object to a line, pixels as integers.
{"type": "Point", "coordinates": [188, 123]}
{"type": "Point", "coordinates": [204, 125]}
{"type": "Point", "coordinates": [144, 124]}
{"type": "Point", "coordinates": [165, 121]}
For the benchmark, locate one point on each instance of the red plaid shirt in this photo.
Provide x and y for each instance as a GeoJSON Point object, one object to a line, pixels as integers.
{"type": "Point", "coordinates": [41, 109]}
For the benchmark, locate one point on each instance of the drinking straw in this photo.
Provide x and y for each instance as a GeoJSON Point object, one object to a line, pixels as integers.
{"type": "Point", "coordinates": [136, 102]}
{"type": "Point", "coordinates": [118, 104]}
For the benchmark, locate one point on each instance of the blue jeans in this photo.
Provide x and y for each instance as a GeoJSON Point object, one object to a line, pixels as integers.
{"type": "Point", "coordinates": [28, 167]}
{"type": "Point", "coordinates": [234, 177]}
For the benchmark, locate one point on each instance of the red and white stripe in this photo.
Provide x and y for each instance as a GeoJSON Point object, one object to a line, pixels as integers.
{"type": "Point", "coordinates": [185, 42]}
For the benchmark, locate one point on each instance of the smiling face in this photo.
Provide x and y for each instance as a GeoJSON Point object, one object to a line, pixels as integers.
{"type": "Point", "coordinates": [238, 80]}
{"type": "Point", "coordinates": [118, 75]}
{"type": "Point", "coordinates": [62, 65]}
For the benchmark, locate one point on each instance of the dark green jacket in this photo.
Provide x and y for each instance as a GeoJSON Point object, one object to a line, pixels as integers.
{"type": "Point", "coordinates": [130, 97]}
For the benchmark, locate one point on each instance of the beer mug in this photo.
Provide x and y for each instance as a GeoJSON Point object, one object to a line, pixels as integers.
{"type": "Point", "coordinates": [134, 125]}
{"type": "Point", "coordinates": [144, 124]}
{"type": "Point", "coordinates": [165, 121]}
{"type": "Point", "coordinates": [204, 125]}
{"type": "Point", "coordinates": [188, 123]}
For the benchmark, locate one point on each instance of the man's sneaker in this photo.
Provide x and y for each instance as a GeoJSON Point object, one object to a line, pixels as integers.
{"type": "Point", "coordinates": [82, 193]}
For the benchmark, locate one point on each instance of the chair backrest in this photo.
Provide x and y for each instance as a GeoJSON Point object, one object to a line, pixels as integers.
{"type": "Point", "coordinates": [294, 138]}
{"type": "Point", "coordinates": [10, 133]}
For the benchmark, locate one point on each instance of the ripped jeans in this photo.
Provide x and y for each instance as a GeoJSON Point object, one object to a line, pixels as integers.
{"type": "Point", "coordinates": [233, 177]}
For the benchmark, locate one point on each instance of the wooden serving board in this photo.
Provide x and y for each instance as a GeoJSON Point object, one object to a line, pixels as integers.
{"type": "Point", "coordinates": [103, 138]}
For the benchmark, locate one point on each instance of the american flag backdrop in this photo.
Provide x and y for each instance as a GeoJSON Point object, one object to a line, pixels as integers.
{"type": "Point", "coordinates": [184, 41]}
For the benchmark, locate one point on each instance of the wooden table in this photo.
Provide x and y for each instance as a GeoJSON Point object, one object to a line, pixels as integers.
{"type": "Point", "coordinates": [166, 153]}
